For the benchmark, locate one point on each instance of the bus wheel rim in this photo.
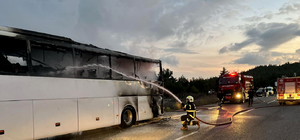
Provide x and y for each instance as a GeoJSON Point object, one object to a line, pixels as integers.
{"type": "Point", "coordinates": [128, 117]}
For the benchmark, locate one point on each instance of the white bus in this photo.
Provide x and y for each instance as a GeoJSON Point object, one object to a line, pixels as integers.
{"type": "Point", "coordinates": [42, 94]}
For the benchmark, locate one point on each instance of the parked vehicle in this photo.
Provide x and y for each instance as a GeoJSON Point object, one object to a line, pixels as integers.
{"type": "Point", "coordinates": [211, 91]}
{"type": "Point", "coordinates": [235, 86]}
{"type": "Point", "coordinates": [270, 90]}
{"type": "Point", "coordinates": [288, 90]}
{"type": "Point", "coordinates": [261, 92]}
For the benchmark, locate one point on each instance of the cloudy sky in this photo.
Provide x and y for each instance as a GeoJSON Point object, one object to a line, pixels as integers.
{"type": "Point", "coordinates": [194, 38]}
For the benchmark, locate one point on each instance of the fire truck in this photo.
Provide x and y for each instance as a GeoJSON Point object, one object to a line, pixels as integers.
{"type": "Point", "coordinates": [235, 86]}
{"type": "Point", "coordinates": [288, 89]}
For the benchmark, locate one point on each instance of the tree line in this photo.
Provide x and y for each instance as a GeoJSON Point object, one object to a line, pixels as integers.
{"type": "Point", "coordinates": [267, 75]}
{"type": "Point", "coordinates": [180, 86]}
{"type": "Point", "coordinates": [263, 76]}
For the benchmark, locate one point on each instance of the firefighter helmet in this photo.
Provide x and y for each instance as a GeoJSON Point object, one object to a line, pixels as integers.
{"type": "Point", "coordinates": [190, 99]}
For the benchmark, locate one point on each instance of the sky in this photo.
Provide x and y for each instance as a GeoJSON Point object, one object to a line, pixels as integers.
{"type": "Point", "coordinates": [194, 38]}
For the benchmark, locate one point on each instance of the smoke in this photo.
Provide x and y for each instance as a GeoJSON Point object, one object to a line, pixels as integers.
{"type": "Point", "coordinates": [147, 71]}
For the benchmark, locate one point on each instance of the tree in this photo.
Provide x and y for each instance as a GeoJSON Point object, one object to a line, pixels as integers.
{"type": "Point", "coordinates": [224, 71]}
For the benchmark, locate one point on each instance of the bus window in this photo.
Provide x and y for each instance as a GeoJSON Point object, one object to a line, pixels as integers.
{"type": "Point", "coordinates": [103, 72]}
{"type": "Point", "coordinates": [123, 65]}
{"type": "Point", "coordinates": [51, 61]}
{"type": "Point", "coordinates": [13, 57]}
{"type": "Point", "coordinates": [89, 61]}
{"type": "Point", "coordinates": [147, 71]}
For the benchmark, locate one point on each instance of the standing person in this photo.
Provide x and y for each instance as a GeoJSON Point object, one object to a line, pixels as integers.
{"type": "Point", "coordinates": [220, 96]}
{"type": "Point", "coordinates": [251, 93]}
{"type": "Point", "coordinates": [190, 108]}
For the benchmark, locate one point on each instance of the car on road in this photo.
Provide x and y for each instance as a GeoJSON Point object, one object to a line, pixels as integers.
{"type": "Point", "coordinates": [262, 92]}
{"type": "Point", "coordinates": [270, 90]}
{"type": "Point", "coordinates": [211, 91]}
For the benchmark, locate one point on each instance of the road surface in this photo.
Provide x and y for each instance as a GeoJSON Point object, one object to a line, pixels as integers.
{"type": "Point", "coordinates": [260, 124]}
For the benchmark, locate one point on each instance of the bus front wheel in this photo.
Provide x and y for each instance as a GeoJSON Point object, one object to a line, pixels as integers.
{"type": "Point", "coordinates": [128, 117]}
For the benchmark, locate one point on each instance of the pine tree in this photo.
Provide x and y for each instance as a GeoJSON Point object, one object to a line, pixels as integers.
{"type": "Point", "coordinates": [224, 71]}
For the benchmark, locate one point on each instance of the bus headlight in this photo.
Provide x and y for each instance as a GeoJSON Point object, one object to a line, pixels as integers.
{"type": "Point", "coordinates": [238, 96]}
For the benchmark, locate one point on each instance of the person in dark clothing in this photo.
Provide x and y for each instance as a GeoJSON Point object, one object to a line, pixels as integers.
{"type": "Point", "coordinates": [190, 108]}
{"type": "Point", "coordinates": [220, 96]}
{"type": "Point", "coordinates": [251, 93]}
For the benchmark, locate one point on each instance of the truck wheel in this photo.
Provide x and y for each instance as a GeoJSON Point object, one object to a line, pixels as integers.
{"type": "Point", "coordinates": [128, 117]}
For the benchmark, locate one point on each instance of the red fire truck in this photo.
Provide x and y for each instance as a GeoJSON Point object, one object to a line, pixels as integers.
{"type": "Point", "coordinates": [235, 86]}
{"type": "Point", "coordinates": [288, 89]}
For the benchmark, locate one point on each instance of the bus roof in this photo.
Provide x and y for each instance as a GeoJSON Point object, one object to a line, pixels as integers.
{"type": "Point", "coordinates": [65, 42]}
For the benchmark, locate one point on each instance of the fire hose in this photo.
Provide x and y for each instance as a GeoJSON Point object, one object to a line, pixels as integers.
{"type": "Point", "coordinates": [231, 118]}
{"type": "Point", "coordinates": [236, 113]}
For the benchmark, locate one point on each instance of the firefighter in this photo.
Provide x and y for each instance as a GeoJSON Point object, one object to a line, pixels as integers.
{"type": "Point", "coordinates": [190, 108]}
{"type": "Point", "coordinates": [251, 93]}
{"type": "Point", "coordinates": [220, 96]}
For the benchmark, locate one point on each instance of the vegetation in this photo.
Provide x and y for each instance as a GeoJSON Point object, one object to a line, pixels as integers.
{"type": "Point", "coordinates": [182, 86]}
{"type": "Point", "coordinates": [263, 76]}
{"type": "Point", "coordinates": [267, 75]}
{"type": "Point", "coordinates": [224, 71]}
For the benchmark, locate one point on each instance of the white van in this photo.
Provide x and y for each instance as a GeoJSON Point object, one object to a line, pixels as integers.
{"type": "Point", "coordinates": [269, 90]}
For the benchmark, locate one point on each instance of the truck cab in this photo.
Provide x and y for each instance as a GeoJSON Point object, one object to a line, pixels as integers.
{"type": "Point", "coordinates": [235, 86]}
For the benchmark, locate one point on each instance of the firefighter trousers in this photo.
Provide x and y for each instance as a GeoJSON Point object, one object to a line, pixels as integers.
{"type": "Point", "coordinates": [187, 120]}
{"type": "Point", "coordinates": [250, 102]}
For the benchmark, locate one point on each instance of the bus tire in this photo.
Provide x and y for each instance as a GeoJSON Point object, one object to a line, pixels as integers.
{"type": "Point", "coordinates": [128, 117]}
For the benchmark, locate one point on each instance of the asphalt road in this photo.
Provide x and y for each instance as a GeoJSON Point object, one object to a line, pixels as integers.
{"type": "Point", "coordinates": [260, 124]}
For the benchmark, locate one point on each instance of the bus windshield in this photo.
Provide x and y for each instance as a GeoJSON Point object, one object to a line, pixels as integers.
{"type": "Point", "coordinates": [228, 80]}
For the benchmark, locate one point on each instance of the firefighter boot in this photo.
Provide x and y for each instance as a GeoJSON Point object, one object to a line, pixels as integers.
{"type": "Point", "coordinates": [184, 127]}
{"type": "Point", "coordinates": [198, 124]}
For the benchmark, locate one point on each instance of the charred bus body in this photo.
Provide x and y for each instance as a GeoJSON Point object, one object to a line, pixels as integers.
{"type": "Point", "coordinates": [51, 85]}
{"type": "Point", "coordinates": [235, 86]}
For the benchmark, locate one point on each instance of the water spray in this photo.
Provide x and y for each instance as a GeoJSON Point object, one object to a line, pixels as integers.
{"type": "Point", "coordinates": [131, 77]}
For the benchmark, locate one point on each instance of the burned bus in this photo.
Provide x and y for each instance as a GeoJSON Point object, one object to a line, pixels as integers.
{"type": "Point", "coordinates": [52, 85]}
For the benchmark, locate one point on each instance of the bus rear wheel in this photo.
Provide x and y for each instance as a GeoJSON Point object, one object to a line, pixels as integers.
{"type": "Point", "coordinates": [128, 117]}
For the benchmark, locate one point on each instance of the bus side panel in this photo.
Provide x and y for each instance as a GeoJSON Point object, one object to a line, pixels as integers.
{"type": "Point", "coordinates": [116, 111]}
{"type": "Point", "coordinates": [54, 117]}
{"type": "Point", "coordinates": [145, 111]}
{"type": "Point", "coordinates": [128, 101]}
{"type": "Point", "coordinates": [95, 113]}
{"type": "Point", "coordinates": [16, 120]}
{"type": "Point", "coordinates": [58, 88]}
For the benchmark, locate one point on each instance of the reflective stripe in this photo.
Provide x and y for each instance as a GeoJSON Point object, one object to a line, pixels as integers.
{"type": "Point", "coordinates": [190, 110]}
{"type": "Point", "coordinates": [192, 116]}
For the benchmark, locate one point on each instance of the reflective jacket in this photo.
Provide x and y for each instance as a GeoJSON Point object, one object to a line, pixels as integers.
{"type": "Point", "coordinates": [190, 108]}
